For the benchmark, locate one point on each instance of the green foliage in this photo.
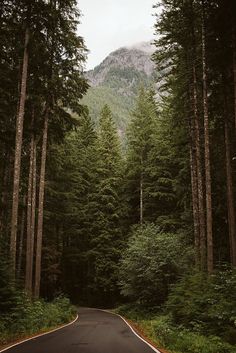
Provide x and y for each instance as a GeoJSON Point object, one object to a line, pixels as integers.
{"type": "Point", "coordinates": [168, 187]}
{"type": "Point", "coordinates": [176, 339]}
{"type": "Point", "coordinates": [71, 186]}
{"type": "Point", "coordinates": [206, 303]}
{"type": "Point", "coordinates": [126, 79]}
{"type": "Point", "coordinates": [27, 318]}
{"type": "Point", "coordinates": [120, 105]}
{"type": "Point", "coordinates": [139, 144]}
{"type": "Point", "coordinates": [106, 231]}
{"type": "Point", "coordinates": [152, 262]}
{"type": "Point", "coordinates": [84, 214]}
{"type": "Point", "coordinates": [154, 157]}
{"type": "Point", "coordinates": [182, 340]}
{"type": "Point", "coordinates": [7, 291]}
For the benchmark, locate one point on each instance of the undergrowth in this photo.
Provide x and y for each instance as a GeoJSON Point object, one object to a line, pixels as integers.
{"type": "Point", "coordinates": [176, 339]}
{"type": "Point", "coordinates": [28, 318]}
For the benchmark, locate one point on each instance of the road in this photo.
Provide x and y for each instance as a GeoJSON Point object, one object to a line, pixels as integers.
{"type": "Point", "coordinates": [95, 331]}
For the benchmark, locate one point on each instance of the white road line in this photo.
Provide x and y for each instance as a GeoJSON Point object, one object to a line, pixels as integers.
{"type": "Point", "coordinates": [153, 348]}
{"type": "Point", "coordinates": [41, 334]}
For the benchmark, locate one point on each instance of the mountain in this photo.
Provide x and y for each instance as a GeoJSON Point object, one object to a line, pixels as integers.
{"type": "Point", "coordinates": [117, 79]}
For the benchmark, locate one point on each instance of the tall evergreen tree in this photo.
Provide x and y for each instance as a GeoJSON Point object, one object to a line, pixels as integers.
{"type": "Point", "coordinates": [139, 137]}
{"type": "Point", "coordinates": [106, 236]}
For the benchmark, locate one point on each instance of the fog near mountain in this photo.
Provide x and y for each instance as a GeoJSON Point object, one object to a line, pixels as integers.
{"type": "Point", "coordinates": [147, 47]}
{"type": "Point", "coordinates": [117, 79]}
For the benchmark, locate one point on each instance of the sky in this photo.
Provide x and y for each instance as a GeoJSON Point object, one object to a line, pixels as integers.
{"type": "Point", "coordinates": [107, 25]}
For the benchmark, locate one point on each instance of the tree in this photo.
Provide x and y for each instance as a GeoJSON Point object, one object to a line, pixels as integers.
{"type": "Point", "coordinates": [106, 236]}
{"type": "Point", "coordinates": [71, 184]}
{"type": "Point", "coordinates": [55, 85]}
{"type": "Point", "coordinates": [207, 148]}
{"type": "Point", "coordinates": [139, 143]}
{"type": "Point", "coordinates": [18, 147]}
{"type": "Point", "coordinates": [66, 86]}
{"type": "Point", "coordinates": [151, 263]}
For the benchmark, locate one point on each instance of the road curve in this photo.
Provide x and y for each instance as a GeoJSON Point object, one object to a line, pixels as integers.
{"type": "Point", "coordinates": [95, 331]}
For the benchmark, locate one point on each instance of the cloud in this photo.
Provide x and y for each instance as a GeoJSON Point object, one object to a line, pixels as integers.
{"type": "Point", "coordinates": [108, 24]}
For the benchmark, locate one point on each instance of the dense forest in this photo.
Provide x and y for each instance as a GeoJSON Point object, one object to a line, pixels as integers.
{"type": "Point", "coordinates": [145, 220]}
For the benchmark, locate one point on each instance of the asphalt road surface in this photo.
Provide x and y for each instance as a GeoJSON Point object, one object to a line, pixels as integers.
{"type": "Point", "coordinates": [95, 331]}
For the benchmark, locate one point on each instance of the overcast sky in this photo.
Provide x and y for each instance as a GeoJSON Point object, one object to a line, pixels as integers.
{"type": "Point", "coordinates": [110, 24]}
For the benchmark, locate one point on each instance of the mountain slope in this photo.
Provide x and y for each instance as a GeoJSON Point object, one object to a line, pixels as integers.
{"type": "Point", "coordinates": [117, 79]}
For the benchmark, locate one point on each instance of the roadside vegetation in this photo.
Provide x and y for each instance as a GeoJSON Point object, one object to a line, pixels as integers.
{"type": "Point", "coordinates": [27, 318]}
{"type": "Point", "coordinates": [178, 307]}
{"type": "Point", "coordinates": [165, 333]}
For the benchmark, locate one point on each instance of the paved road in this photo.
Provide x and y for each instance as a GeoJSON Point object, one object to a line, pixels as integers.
{"type": "Point", "coordinates": [94, 332]}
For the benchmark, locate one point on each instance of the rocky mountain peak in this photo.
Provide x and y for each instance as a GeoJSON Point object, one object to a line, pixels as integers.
{"type": "Point", "coordinates": [116, 81]}
{"type": "Point", "coordinates": [136, 58]}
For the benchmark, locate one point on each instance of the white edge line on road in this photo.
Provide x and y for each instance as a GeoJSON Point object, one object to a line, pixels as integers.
{"type": "Point", "coordinates": [41, 334]}
{"type": "Point", "coordinates": [153, 348]}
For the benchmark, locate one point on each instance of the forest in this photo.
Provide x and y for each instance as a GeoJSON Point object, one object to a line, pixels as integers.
{"type": "Point", "coordinates": [143, 221]}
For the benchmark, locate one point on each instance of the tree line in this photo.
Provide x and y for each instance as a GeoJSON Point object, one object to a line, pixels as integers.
{"type": "Point", "coordinates": [196, 50]}
{"type": "Point", "coordinates": [41, 84]}
{"type": "Point", "coordinates": [115, 216]}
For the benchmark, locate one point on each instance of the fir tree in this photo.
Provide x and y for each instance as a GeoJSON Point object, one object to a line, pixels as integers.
{"type": "Point", "coordinates": [106, 237]}
{"type": "Point", "coordinates": [139, 144]}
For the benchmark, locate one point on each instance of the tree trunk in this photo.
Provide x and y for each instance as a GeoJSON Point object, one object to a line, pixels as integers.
{"type": "Point", "coordinates": [22, 230]}
{"type": "Point", "coordinates": [40, 208]}
{"type": "Point", "coordinates": [195, 203]}
{"type": "Point", "coordinates": [18, 147]}
{"type": "Point", "coordinates": [31, 218]}
{"type": "Point", "coordinates": [33, 211]}
{"type": "Point", "coordinates": [29, 213]}
{"type": "Point", "coordinates": [201, 208]}
{"type": "Point", "coordinates": [194, 183]}
{"type": "Point", "coordinates": [207, 151]}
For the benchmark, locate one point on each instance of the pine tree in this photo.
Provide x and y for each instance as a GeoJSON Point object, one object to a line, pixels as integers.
{"type": "Point", "coordinates": [106, 236]}
{"type": "Point", "coordinates": [139, 141]}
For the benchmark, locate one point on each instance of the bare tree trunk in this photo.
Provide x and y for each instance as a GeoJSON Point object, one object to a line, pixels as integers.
{"type": "Point", "coordinates": [33, 211]}
{"type": "Point", "coordinates": [18, 147]}
{"type": "Point", "coordinates": [207, 151]}
{"type": "Point", "coordinates": [194, 183]}
{"type": "Point", "coordinates": [19, 264]}
{"type": "Point", "coordinates": [31, 217]}
{"type": "Point", "coordinates": [29, 212]}
{"type": "Point", "coordinates": [202, 221]}
{"type": "Point", "coordinates": [40, 208]}
{"type": "Point", "coordinates": [195, 203]}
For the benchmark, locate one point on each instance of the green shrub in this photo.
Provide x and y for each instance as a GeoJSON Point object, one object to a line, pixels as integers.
{"type": "Point", "coordinates": [182, 340]}
{"type": "Point", "coordinates": [7, 292]}
{"type": "Point", "coordinates": [28, 317]}
{"type": "Point", "coordinates": [206, 303]}
{"type": "Point", "coordinates": [152, 262]}
{"type": "Point", "coordinates": [176, 339]}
